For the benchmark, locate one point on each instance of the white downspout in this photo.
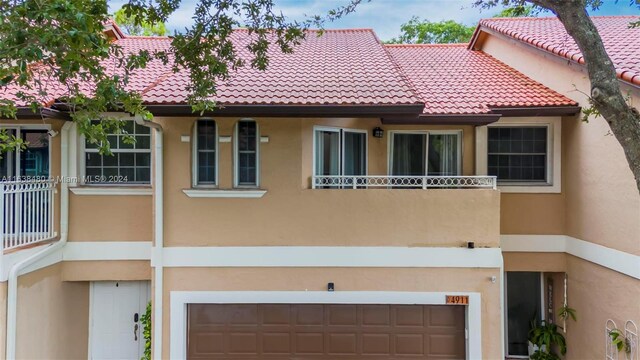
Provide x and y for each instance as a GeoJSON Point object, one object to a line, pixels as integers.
{"type": "Point", "coordinates": [502, 310]}
{"type": "Point", "coordinates": [12, 285]}
{"type": "Point", "coordinates": [158, 212]}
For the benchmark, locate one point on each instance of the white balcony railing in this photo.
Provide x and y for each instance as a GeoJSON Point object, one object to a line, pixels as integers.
{"type": "Point", "coordinates": [411, 182]}
{"type": "Point", "coordinates": [26, 212]}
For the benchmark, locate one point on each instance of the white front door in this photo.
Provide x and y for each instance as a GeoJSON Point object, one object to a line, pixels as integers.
{"type": "Point", "coordinates": [115, 329]}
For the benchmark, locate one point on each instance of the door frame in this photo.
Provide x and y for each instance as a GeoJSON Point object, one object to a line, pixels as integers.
{"type": "Point", "coordinates": [180, 299]}
{"type": "Point", "coordinates": [506, 311]}
{"type": "Point", "coordinates": [147, 289]}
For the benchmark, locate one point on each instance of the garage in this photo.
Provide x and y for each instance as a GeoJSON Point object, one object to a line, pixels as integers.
{"type": "Point", "coordinates": [325, 331]}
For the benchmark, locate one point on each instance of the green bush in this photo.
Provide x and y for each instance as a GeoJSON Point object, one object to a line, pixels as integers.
{"type": "Point", "coordinates": [146, 332]}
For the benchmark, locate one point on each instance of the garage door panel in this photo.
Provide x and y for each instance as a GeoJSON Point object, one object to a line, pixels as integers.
{"type": "Point", "coordinates": [317, 331]}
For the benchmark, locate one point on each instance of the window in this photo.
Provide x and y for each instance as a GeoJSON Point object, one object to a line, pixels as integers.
{"type": "Point", "coordinates": [518, 154]}
{"type": "Point", "coordinates": [340, 152]}
{"type": "Point", "coordinates": [129, 164]}
{"type": "Point", "coordinates": [246, 154]}
{"type": "Point", "coordinates": [206, 153]}
{"type": "Point", "coordinates": [420, 154]}
{"type": "Point", "coordinates": [33, 161]}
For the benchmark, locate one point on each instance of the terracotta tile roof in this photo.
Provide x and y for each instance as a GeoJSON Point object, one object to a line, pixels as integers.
{"type": "Point", "coordinates": [621, 42]}
{"type": "Point", "coordinates": [340, 67]}
{"type": "Point", "coordinates": [452, 79]}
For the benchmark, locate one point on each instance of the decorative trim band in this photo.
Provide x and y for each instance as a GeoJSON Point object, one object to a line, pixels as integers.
{"type": "Point", "coordinates": [216, 193]}
{"type": "Point", "coordinates": [620, 261]}
{"type": "Point", "coordinates": [330, 256]}
{"type": "Point", "coordinates": [107, 250]}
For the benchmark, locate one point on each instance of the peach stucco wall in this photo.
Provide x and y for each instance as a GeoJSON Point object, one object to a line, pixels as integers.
{"type": "Point", "coordinates": [345, 279]}
{"type": "Point", "coordinates": [602, 203]}
{"type": "Point", "coordinates": [293, 214]}
{"type": "Point", "coordinates": [54, 314]}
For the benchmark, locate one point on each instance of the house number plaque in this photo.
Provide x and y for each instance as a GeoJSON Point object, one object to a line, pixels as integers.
{"type": "Point", "coordinates": [457, 299]}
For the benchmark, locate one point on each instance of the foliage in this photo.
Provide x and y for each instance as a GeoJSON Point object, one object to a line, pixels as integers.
{"type": "Point", "coordinates": [53, 46]}
{"type": "Point", "coordinates": [145, 319]}
{"type": "Point", "coordinates": [565, 312]}
{"type": "Point", "coordinates": [545, 336]}
{"type": "Point", "coordinates": [130, 27]}
{"type": "Point", "coordinates": [418, 31]}
{"type": "Point", "coordinates": [621, 342]}
{"type": "Point", "coordinates": [517, 11]}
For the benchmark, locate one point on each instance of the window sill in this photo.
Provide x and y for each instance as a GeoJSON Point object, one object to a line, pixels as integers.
{"type": "Point", "coordinates": [217, 193]}
{"type": "Point", "coordinates": [112, 191]}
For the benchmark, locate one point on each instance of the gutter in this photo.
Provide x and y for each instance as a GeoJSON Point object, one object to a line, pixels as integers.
{"type": "Point", "coordinates": [158, 214]}
{"type": "Point", "coordinates": [12, 285]}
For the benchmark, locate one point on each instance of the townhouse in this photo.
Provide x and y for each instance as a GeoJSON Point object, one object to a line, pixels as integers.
{"type": "Point", "coordinates": [355, 200]}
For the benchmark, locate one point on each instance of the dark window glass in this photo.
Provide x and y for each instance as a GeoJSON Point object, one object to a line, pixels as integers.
{"type": "Point", "coordinates": [247, 154]}
{"type": "Point", "coordinates": [128, 164]}
{"type": "Point", "coordinates": [206, 152]}
{"type": "Point", "coordinates": [518, 154]}
{"type": "Point", "coordinates": [408, 154]}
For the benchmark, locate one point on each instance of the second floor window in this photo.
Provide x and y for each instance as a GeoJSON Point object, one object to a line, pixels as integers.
{"type": "Point", "coordinates": [129, 163]}
{"type": "Point", "coordinates": [518, 154]}
{"type": "Point", "coordinates": [340, 152]}
{"type": "Point", "coordinates": [419, 154]}
{"type": "Point", "coordinates": [206, 153]}
{"type": "Point", "coordinates": [246, 154]}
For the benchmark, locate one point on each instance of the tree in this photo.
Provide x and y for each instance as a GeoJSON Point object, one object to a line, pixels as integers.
{"type": "Point", "coordinates": [417, 31]}
{"type": "Point", "coordinates": [606, 96]}
{"type": "Point", "coordinates": [517, 11]}
{"type": "Point", "coordinates": [128, 24]}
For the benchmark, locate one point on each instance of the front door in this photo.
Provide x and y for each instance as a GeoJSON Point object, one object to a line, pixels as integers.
{"type": "Point", "coordinates": [524, 310]}
{"type": "Point", "coordinates": [116, 308]}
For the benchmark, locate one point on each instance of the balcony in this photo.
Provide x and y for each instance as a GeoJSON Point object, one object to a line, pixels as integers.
{"type": "Point", "coordinates": [27, 212]}
{"type": "Point", "coordinates": [399, 182]}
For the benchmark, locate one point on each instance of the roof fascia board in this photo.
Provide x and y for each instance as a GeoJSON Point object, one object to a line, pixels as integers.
{"type": "Point", "coordinates": [537, 111]}
{"type": "Point", "coordinates": [294, 110]}
{"type": "Point", "coordinates": [443, 119]}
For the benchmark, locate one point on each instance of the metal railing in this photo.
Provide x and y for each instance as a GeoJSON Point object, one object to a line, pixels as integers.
{"type": "Point", "coordinates": [410, 182]}
{"type": "Point", "coordinates": [26, 212]}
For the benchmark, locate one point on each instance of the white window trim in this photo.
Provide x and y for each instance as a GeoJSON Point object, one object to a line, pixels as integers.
{"type": "Point", "coordinates": [180, 300]}
{"type": "Point", "coordinates": [18, 128]}
{"type": "Point", "coordinates": [194, 157]}
{"type": "Point", "coordinates": [235, 156]}
{"type": "Point", "coordinates": [103, 189]}
{"type": "Point", "coordinates": [341, 130]}
{"type": "Point", "coordinates": [426, 133]}
{"type": "Point", "coordinates": [221, 193]}
{"type": "Point", "coordinates": [554, 157]}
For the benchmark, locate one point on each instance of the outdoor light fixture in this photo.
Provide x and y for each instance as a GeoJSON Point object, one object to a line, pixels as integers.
{"type": "Point", "coordinates": [378, 132]}
{"type": "Point", "coordinates": [471, 245]}
{"type": "Point", "coordinates": [330, 287]}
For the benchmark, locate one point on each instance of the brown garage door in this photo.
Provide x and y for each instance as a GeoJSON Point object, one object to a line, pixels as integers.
{"type": "Point", "coordinates": [317, 331]}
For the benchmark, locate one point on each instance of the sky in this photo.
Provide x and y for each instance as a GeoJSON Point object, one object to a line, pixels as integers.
{"type": "Point", "coordinates": [384, 16]}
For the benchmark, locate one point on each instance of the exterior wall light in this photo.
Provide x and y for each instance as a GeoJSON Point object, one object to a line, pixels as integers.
{"type": "Point", "coordinates": [378, 132]}
{"type": "Point", "coordinates": [330, 287]}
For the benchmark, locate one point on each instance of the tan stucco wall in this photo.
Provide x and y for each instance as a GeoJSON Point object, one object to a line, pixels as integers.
{"type": "Point", "coordinates": [597, 294]}
{"type": "Point", "coordinates": [54, 314]}
{"type": "Point", "coordinates": [112, 270]}
{"type": "Point", "coordinates": [293, 214]}
{"type": "Point", "coordinates": [530, 261]}
{"type": "Point", "coordinates": [345, 279]}
{"type": "Point", "coordinates": [110, 218]}
{"type": "Point", "coordinates": [602, 203]}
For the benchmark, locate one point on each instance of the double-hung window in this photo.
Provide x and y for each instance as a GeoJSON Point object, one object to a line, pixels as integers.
{"type": "Point", "coordinates": [33, 161]}
{"type": "Point", "coordinates": [246, 154]}
{"type": "Point", "coordinates": [206, 153]}
{"type": "Point", "coordinates": [128, 164]}
{"type": "Point", "coordinates": [340, 152]}
{"type": "Point", "coordinates": [425, 153]}
{"type": "Point", "coordinates": [518, 154]}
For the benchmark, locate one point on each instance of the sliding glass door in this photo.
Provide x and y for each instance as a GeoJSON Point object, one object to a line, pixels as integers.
{"type": "Point", "coordinates": [32, 162]}
{"type": "Point", "coordinates": [425, 153]}
{"type": "Point", "coordinates": [340, 152]}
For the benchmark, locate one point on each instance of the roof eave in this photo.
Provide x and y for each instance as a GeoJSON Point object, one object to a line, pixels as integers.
{"type": "Point", "coordinates": [295, 110]}
{"type": "Point", "coordinates": [567, 110]}
{"type": "Point", "coordinates": [444, 119]}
